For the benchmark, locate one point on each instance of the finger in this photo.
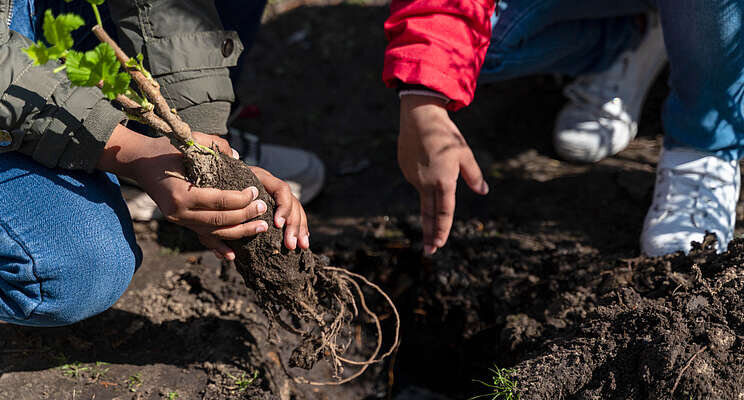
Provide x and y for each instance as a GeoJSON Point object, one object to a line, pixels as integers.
{"type": "Point", "coordinates": [216, 219]}
{"type": "Point", "coordinates": [472, 174]}
{"type": "Point", "coordinates": [236, 232]}
{"type": "Point", "coordinates": [220, 249]}
{"type": "Point", "coordinates": [303, 239]}
{"type": "Point", "coordinates": [291, 232]}
{"type": "Point", "coordinates": [280, 192]}
{"type": "Point", "coordinates": [437, 210]}
{"type": "Point", "coordinates": [209, 140]}
{"type": "Point", "coordinates": [445, 212]}
{"type": "Point", "coordinates": [215, 199]}
{"type": "Point", "coordinates": [427, 220]}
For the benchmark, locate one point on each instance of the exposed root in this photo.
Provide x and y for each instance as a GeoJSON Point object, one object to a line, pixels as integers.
{"type": "Point", "coordinates": [682, 371]}
{"type": "Point", "coordinates": [329, 339]}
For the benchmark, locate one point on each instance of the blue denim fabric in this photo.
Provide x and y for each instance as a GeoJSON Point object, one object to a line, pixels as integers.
{"type": "Point", "coordinates": [704, 41]}
{"type": "Point", "coordinates": [23, 18]}
{"type": "Point", "coordinates": [67, 247]}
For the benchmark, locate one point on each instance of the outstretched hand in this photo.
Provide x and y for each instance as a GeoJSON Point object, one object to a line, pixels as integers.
{"type": "Point", "coordinates": [432, 153]}
{"type": "Point", "coordinates": [215, 215]}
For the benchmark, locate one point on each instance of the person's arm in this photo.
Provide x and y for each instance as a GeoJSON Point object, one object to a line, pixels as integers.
{"type": "Point", "coordinates": [438, 44]}
{"type": "Point", "coordinates": [435, 51]}
{"type": "Point", "coordinates": [215, 215]}
{"type": "Point", "coordinates": [43, 116]}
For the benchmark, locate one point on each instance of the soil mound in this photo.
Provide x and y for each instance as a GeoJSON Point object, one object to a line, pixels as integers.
{"type": "Point", "coordinates": [672, 331]}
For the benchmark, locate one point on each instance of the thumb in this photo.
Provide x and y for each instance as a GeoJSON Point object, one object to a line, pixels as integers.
{"type": "Point", "coordinates": [472, 174]}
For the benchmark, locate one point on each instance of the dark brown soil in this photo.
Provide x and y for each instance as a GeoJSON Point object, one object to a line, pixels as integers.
{"type": "Point", "coordinates": [542, 276]}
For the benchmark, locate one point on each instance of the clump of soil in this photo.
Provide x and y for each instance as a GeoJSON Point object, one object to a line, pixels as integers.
{"type": "Point", "coordinates": [672, 331]}
{"type": "Point", "coordinates": [296, 282]}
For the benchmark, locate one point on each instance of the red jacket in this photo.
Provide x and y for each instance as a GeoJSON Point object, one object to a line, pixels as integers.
{"type": "Point", "coordinates": [439, 44]}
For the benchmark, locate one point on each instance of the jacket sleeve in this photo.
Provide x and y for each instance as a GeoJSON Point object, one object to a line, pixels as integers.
{"type": "Point", "coordinates": [188, 52]}
{"type": "Point", "coordinates": [43, 116]}
{"type": "Point", "coordinates": [440, 44]}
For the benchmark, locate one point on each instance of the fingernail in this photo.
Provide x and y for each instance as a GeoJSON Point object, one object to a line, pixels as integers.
{"type": "Point", "coordinates": [305, 242]}
{"type": "Point", "coordinates": [280, 222]}
{"type": "Point", "coordinates": [254, 191]}
{"type": "Point", "coordinates": [292, 242]}
{"type": "Point", "coordinates": [261, 228]}
{"type": "Point", "coordinates": [235, 154]}
{"type": "Point", "coordinates": [438, 242]}
{"type": "Point", "coordinates": [230, 256]}
{"type": "Point", "coordinates": [261, 206]}
{"type": "Point", "coordinates": [484, 188]}
{"type": "Point", "coordinates": [429, 250]}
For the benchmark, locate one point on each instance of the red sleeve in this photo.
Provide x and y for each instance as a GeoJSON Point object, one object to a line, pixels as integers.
{"type": "Point", "coordinates": [439, 44]}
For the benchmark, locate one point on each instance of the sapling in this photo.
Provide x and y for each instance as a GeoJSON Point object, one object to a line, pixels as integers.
{"type": "Point", "coordinates": [326, 298]}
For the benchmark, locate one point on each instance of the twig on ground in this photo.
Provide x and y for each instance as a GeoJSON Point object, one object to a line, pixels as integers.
{"type": "Point", "coordinates": [682, 371]}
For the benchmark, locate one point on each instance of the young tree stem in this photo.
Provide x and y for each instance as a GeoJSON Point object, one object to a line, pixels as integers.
{"type": "Point", "coordinates": [179, 131]}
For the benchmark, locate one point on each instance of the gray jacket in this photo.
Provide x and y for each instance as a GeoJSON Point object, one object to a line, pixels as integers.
{"type": "Point", "coordinates": [61, 126]}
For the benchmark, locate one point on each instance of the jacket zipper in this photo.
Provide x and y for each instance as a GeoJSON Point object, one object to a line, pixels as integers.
{"type": "Point", "coordinates": [10, 12]}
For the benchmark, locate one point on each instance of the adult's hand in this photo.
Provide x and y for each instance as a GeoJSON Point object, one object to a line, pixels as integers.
{"type": "Point", "coordinates": [432, 153]}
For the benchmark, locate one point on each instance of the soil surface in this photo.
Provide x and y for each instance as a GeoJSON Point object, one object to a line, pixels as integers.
{"type": "Point", "coordinates": [542, 276]}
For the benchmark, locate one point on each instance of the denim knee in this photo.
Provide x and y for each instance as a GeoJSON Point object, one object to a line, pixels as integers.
{"type": "Point", "coordinates": [67, 284]}
{"type": "Point", "coordinates": [108, 270]}
{"type": "Point", "coordinates": [549, 36]}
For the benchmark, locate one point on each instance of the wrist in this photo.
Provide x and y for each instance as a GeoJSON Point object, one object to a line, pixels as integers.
{"type": "Point", "coordinates": [411, 102]}
{"type": "Point", "coordinates": [126, 151]}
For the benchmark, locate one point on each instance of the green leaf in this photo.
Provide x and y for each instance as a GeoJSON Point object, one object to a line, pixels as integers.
{"type": "Point", "coordinates": [95, 2]}
{"type": "Point", "coordinates": [38, 52]}
{"type": "Point", "coordinates": [77, 72]}
{"type": "Point", "coordinates": [98, 65]}
{"type": "Point", "coordinates": [57, 31]}
{"type": "Point", "coordinates": [136, 62]}
{"type": "Point", "coordinates": [117, 86]}
{"type": "Point", "coordinates": [91, 67]}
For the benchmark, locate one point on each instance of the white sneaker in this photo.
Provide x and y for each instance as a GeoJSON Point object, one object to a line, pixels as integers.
{"type": "Point", "coordinates": [695, 192]}
{"type": "Point", "coordinates": [602, 115]}
{"type": "Point", "coordinates": [141, 206]}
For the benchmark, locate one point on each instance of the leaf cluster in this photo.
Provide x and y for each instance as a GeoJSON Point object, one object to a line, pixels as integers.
{"type": "Point", "coordinates": [91, 68]}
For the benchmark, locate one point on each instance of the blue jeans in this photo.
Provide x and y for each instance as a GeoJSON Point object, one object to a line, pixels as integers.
{"type": "Point", "coordinates": [704, 42]}
{"type": "Point", "coordinates": [67, 247]}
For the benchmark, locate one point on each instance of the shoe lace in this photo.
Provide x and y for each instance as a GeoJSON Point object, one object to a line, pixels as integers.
{"type": "Point", "coordinates": [699, 194]}
{"type": "Point", "coordinates": [597, 94]}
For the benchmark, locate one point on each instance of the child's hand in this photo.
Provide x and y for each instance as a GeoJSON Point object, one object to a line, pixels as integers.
{"type": "Point", "coordinates": [215, 215]}
{"type": "Point", "coordinates": [432, 154]}
{"type": "Point", "coordinates": [289, 211]}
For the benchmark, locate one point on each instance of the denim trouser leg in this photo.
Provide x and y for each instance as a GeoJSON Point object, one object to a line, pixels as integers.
{"type": "Point", "coordinates": [67, 247]}
{"type": "Point", "coordinates": [705, 43]}
{"type": "Point", "coordinates": [559, 36]}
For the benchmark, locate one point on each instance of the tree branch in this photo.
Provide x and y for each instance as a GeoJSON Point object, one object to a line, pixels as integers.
{"type": "Point", "coordinates": [179, 130]}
